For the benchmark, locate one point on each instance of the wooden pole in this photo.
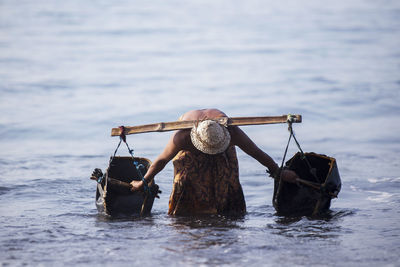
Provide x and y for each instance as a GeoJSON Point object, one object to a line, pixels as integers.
{"type": "Point", "coordinates": [119, 183]}
{"type": "Point", "coordinates": [114, 182]}
{"type": "Point", "coordinates": [180, 125]}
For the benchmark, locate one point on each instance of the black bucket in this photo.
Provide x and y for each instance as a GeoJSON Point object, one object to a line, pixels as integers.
{"type": "Point", "coordinates": [313, 196]}
{"type": "Point", "coordinates": [113, 195]}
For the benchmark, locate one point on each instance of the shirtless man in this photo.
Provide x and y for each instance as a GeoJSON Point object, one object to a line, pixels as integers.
{"type": "Point", "coordinates": [210, 181]}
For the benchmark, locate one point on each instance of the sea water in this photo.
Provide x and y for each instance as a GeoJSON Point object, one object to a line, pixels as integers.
{"type": "Point", "coordinates": [72, 70]}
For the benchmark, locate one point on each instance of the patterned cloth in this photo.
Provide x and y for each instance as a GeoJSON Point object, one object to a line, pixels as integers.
{"type": "Point", "coordinates": [206, 184]}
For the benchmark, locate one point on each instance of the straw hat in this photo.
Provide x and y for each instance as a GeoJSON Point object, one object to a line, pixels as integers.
{"type": "Point", "coordinates": [210, 137]}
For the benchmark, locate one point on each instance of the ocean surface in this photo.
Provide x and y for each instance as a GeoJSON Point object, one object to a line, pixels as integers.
{"type": "Point", "coordinates": [72, 70]}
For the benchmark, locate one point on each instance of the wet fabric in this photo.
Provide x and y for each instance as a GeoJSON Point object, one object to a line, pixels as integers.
{"type": "Point", "coordinates": [206, 184]}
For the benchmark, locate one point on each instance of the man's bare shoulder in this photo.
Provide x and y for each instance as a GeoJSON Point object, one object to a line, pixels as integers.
{"type": "Point", "coordinates": [181, 139]}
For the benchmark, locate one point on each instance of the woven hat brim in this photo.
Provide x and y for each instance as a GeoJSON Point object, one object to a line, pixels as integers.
{"type": "Point", "coordinates": [211, 149]}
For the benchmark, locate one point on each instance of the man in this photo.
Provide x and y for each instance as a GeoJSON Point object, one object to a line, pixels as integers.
{"type": "Point", "coordinates": [206, 168]}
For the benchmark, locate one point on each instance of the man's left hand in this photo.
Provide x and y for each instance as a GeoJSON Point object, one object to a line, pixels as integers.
{"type": "Point", "coordinates": [289, 176]}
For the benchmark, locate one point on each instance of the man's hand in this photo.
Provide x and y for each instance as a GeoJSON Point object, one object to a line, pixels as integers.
{"type": "Point", "coordinates": [289, 176]}
{"type": "Point", "coordinates": [136, 186]}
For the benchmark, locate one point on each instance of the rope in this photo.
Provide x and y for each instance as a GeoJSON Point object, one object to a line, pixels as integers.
{"type": "Point", "coordinates": [277, 174]}
{"type": "Point", "coordinates": [312, 170]}
{"type": "Point", "coordinates": [284, 155]}
{"type": "Point", "coordinates": [115, 152]}
{"type": "Point", "coordinates": [290, 121]}
{"type": "Point", "coordinates": [139, 166]}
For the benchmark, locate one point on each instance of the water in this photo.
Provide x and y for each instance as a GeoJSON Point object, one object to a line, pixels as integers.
{"type": "Point", "coordinates": [72, 70]}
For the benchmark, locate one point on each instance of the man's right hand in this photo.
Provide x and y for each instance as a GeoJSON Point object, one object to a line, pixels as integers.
{"type": "Point", "coordinates": [136, 186]}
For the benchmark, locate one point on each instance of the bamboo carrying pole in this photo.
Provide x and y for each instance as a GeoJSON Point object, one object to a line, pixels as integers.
{"type": "Point", "coordinates": [226, 121]}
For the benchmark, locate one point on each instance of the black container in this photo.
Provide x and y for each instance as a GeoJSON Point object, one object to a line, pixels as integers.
{"type": "Point", "coordinates": [115, 198]}
{"type": "Point", "coordinates": [302, 199]}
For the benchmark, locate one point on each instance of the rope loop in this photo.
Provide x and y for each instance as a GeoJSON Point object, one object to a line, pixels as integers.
{"type": "Point", "coordinates": [146, 187]}
{"type": "Point", "coordinates": [140, 168]}
{"type": "Point", "coordinates": [122, 134]}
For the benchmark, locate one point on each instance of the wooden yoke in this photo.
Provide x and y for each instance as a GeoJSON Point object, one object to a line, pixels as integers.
{"type": "Point", "coordinates": [226, 121]}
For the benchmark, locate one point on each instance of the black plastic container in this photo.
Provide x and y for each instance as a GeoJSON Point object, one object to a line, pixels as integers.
{"type": "Point", "coordinates": [113, 195]}
{"type": "Point", "coordinates": [303, 199]}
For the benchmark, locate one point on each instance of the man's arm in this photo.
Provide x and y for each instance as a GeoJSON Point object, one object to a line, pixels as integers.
{"type": "Point", "coordinates": [171, 149]}
{"type": "Point", "coordinates": [241, 139]}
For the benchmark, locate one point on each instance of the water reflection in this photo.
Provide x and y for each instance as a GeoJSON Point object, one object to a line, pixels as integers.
{"type": "Point", "coordinates": [149, 219]}
{"type": "Point", "coordinates": [206, 221]}
{"type": "Point", "coordinates": [203, 232]}
{"type": "Point", "coordinates": [324, 226]}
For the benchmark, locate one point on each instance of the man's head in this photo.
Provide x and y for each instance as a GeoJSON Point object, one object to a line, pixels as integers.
{"type": "Point", "coordinates": [210, 137]}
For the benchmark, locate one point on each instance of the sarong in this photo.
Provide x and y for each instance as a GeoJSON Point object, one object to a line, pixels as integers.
{"type": "Point", "coordinates": [206, 184]}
